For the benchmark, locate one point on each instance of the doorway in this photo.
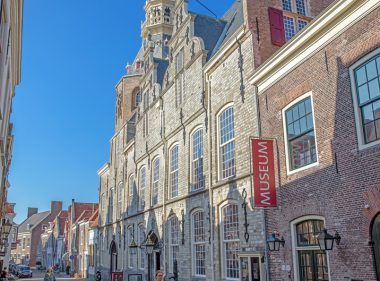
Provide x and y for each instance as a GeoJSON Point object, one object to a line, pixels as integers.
{"type": "Point", "coordinates": [376, 243]}
{"type": "Point", "coordinates": [251, 268]}
{"type": "Point", "coordinates": [113, 252]}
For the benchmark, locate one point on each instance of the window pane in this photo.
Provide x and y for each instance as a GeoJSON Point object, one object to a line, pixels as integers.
{"type": "Point", "coordinates": [361, 76]}
{"type": "Point", "coordinates": [289, 116]}
{"type": "Point", "coordinates": [308, 231]}
{"type": "Point", "coordinates": [142, 188]}
{"type": "Point", "coordinates": [301, 9]}
{"type": "Point", "coordinates": [370, 132]}
{"type": "Point", "coordinates": [174, 171]}
{"type": "Point", "coordinates": [197, 161]}
{"type": "Point", "coordinates": [376, 109]}
{"type": "Point", "coordinates": [199, 252]}
{"type": "Point", "coordinates": [287, 5]}
{"type": "Point", "coordinates": [231, 240]}
{"type": "Point", "coordinates": [289, 28]}
{"type": "Point", "coordinates": [303, 151]}
{"type": "Point", "coordinates": [156, 180]}
{"type": "Point", "coordinates": [374, 90]}
{"type": "Point", "coordinates": [227, 144]}
{"type": "Point", "coordinates": [303, 124]}
{"type": "Point", "coordinates": [363, 94]}
{"type": "Point", "coordinates": [301, 24]}
{"type": "Point", "coordinates": [367, 114]}
{"type": "Point", "coordinates": [371, 70]}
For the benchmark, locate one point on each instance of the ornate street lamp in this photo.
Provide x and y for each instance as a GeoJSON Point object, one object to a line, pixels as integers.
{"type": "Point", "coordinates": [274, 243]}
{"type": "Point", "coordinates": [326, 240]}
{"type": "Point", "coordinates": [5, 230]}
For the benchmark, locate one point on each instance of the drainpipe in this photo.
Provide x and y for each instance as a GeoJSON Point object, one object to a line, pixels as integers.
{"type": "Point", "coordinates": [210, 193]}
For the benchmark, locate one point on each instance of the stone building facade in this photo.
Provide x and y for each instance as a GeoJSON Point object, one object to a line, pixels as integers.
{"type": "Point", "coordinates": [319, 98]}
{"type": "Point", "coordinates": [179, 173]}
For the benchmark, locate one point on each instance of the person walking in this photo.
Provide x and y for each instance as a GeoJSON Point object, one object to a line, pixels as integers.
{"type": "Point", "coordinates": [49, 276]}
{"type": "Point", "coordinates": [159, 276]}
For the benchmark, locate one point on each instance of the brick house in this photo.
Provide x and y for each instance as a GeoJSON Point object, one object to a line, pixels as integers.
{"type": "Point", "coordinates": [319, 98]}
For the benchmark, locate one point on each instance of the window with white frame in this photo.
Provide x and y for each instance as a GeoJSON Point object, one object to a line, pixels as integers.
{"type": "Point", "coordinates": [295, 17]}
{"type": "Point", "coordinates": [174, 171]}
{"type": "Point", "coordinates": [140, 242]}
{"type": "Point", "coordinates": [227, 143]}
{"type": "Point", "coordinates": [198, 179]}
{"type": "Point", "coordinates": [142, 188]}
{"type": "Point", "coordinates": [156, 181]}
{"type": "Point", "coordinates": [131, 190]}
{"type": "Point", "coordinates": [300, 134]}
{"type": "Point", "coordinates": [231, 241]}
{"type": "Point", "coordinates": [129, 241]}
{"type": "Point", "coordinates": [180, 78]}
{"type": "Point", "coordinates": [198, 244]}
{"type": "Point", "coordinates": [173, 242]}
{"type": "Point", "coordinates": [311, 261]}
{"type": "Point", "coordinates": [367, 88]}
{"type": "Point", "coordinates": [120, 198]}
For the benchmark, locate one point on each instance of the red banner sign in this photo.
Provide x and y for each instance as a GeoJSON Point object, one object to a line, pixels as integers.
{"type": "Point", "coordinates": [264, 183]}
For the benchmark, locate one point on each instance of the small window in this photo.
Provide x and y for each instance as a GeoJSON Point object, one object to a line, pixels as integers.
{"type": "Point", "coordinates": [174, 171]}
{"type": "Point", "coordinates": [198, 179]}
{"type": "Point", "coordinates": [137, 99]}
{"type": "Point", "coordinates": [227, 143]}
{"type": "Point", "coordinates": [300, 135]}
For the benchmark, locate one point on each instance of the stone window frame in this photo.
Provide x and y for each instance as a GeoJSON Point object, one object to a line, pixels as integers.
{"type": "Point", "coordinates": [174, 172]}
{"type": "Point", "coordinates": [358, 116]}
{"type": "Point", "coordinates": [295, 248]}
{"type": "Point", "coordinates": [155, 182]}
{"type": "Point", "coordinates": [193, 182]}
{"type": "Point", "coordinates": [171, 244]}
{"type": "Point", "coordinates": [194, 243]}
{"type": "Point", "coordinates": [140, 241]}
{"type": "Point", "coordinates": [287, 156]}
{"type": "Point", "coordinates": [223, 242]}
{"type": "Point", "coordinates": [142, 191]}
{"type": "Point", "coordinates": [220, 165]}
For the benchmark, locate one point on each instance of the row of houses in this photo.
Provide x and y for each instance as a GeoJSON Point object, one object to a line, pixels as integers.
{"type": "Point", "coordinates": [237, 135]}
{"type": "Point", "coordinates": [58, 238]}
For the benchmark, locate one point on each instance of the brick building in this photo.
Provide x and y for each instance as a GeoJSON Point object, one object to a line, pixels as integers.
{"type": "Point", "coordinates": [319, 98]}
{"type": "Point", "coordinates": [29, 233]}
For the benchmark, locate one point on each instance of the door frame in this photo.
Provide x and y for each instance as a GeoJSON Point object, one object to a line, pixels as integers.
{"type": "Point", "coordinates": [253, 255]}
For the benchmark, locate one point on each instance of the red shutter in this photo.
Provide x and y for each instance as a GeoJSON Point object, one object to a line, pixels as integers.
{"type": "Point", "coordinates": [277, 30]}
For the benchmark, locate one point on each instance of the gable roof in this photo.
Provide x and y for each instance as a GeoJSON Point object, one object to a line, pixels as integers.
{"type": "Point", "coordinates": [32, 221]}
{"type": "Point", "coordinates": [85, 215]}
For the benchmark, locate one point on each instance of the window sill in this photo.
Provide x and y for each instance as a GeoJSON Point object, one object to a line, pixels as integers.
{"type": "Point", "coordinates": [290, 173]}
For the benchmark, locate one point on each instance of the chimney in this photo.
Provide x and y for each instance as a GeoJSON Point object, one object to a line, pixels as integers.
{"type": "Point", "coordinates": [55, 207]}
{"type": "Point", "coordinates": [32, 211]}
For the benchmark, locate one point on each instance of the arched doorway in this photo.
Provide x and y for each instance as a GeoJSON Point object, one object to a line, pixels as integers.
{"type": "Point", "coordinates": [113, 256]}
{"type": "Point", "coordinates": [376, 243]}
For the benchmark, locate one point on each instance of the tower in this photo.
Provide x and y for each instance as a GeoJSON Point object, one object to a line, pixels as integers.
{"type": "Point", "coordinates": [157, 29]}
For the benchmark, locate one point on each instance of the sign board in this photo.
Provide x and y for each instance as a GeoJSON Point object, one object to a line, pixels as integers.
{"type": "Point", "coordinates": [116, 276]}
{"type": "Point", "coordinates": [264, 183]}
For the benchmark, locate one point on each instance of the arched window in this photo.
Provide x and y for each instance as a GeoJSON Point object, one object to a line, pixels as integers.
{"type": "Point", "coordinates": [376, 243]}
{"type": "Point", "coordinates": [120, 198]}
{"type": "Point", "coordinates": [129, 241]}
{"type": "Point", "coordinates": [156, 181]}
{"type": "Point", "coordinates": [198, 244]}
{"type": "Point", "coordinates": [230, 240]}
{"type": "Point", "coordinates": [310, 260]}
{"type": "Point", "coordinates": [197, 176]}
{"type": "Point", "coordinates": [140, 242]}
{"type": "Point", "coordinates": [173, 242]}
{"type": "Point", "coordinates": [142, 188]}
{"type": "Point", "coordinates": [174, 170]}
{"type": "Point", "coordinates": [227, 143]}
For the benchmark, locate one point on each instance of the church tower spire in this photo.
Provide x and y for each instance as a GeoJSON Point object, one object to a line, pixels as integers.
{"type": "Point", "coordinates": [158, 26]}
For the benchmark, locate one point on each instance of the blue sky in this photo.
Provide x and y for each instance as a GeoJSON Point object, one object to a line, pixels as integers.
{"type": "Point", "coordinates": [74, 52]}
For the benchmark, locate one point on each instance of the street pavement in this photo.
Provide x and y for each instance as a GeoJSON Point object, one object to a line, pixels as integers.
{"type": "Point", "coordinates": [38, 276]}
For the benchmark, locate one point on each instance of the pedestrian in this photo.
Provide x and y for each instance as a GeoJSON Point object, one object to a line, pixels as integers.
{"type": "Point", "coordinates": [3, 274]}
{"type": "Point", "coordinates": [68, 269]}
{"type": "Point", "coordinates": [98, 276]}
{"type": "Point", "coordinates": [159, 276]}
{"type": "Point", "coordinates": [49, 276]}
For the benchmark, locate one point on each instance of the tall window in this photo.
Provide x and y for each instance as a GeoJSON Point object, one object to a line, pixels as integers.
{"type": "Point", "coordinates": [129, 241]}
{"type": "Point", "coordinates": [173, 241]}
{"type": "Point", "coordinates": [367, 82]}
{"type": "Point", "coordinates": [131, 190]}
{"type": "Point", "coordinates": [140, 242]}
{"type": "Point", "coordinates": [300, 134]}
{"type": "Point", "coordinates": [180, 79]}
{"type": "Point", "coordinates": [312, 262]}
{"type": "Point", "coordinates": [137, 99]}
{"type": "Point", "coordinates": [142, 188]}
{"type": "Point", "coordinates": [230, 235]}
{"type": "Point", "coordinates": [156, 181]}
{"type": "Point", "coordinates": [227, 143]}
{"type": "Point", "coordinates": [174, 169]}
{"type": "Point", "coordinates": [120, 198]}
{"type": "Point", "coordinates": [295, 17]}
{"type": "Point", "coordinates": [199, 245]}
{"type": "Point", "coordinates": [197, 161]}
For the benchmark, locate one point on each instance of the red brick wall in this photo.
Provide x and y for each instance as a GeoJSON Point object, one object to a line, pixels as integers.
{"type": "Point", "coordinates": [346, 179]}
